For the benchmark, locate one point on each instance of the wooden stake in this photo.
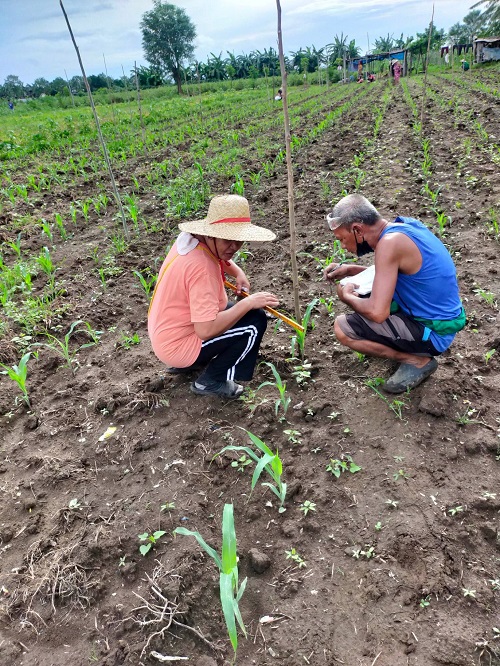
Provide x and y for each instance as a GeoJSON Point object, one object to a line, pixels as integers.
{"type": "Point", "coordinates": [291, 204]}
{"type": "Point", "coordinates": [98, 125]}
{"type": "Point", "coordinates": [425, 75]}
{"type": "Point", "coordinates": [69, 88]}
{"type": "Point", "coordinates": [140, 107]}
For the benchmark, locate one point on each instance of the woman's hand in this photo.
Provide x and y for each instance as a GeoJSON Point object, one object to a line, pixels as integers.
{"type": "Point", "coordinates": [262, 299]}
{"type": "Point", "coordinates": [242, 283]}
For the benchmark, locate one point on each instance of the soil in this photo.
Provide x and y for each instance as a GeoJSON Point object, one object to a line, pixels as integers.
{"type": "Point", "coordinates": [402, 557]}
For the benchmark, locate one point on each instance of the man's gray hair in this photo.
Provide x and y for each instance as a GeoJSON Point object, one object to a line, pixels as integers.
{"type": "Point", "coordinates": [353, 208]}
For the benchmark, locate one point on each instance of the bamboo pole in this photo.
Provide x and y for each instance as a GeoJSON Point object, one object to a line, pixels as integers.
{"type": "Point", "coordinates": [291, 204]}
{"type": "Point", "coordinates": [98, 125]}
{"type": "Point", "coordinates": [140, 107]}
{"type": "Point", "coordinates": [108, 84]}
{"type": "Point", "coordinates": [69, 88]}
{"type": "Point", "coordinates": [425, 75]}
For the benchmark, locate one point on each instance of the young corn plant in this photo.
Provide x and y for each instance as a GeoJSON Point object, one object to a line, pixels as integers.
{"type": "Point", "coordinates": [147, 282]}
{"type": "Point", "coordinates": [18, 374]}
{"type": "Point", "coordinates": [269, 462]}
{"type": "Point", "coordinates": [283, 400]}
{"type": "Point", "coordinates": [61, 347]}
{"type": "Point", "coordinates": [299, 338]}
{"type": "Point", "coordinates": [230, 589]}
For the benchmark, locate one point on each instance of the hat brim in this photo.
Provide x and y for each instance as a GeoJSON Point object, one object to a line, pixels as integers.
{"type": "Point", "coordinates": [228, 231]}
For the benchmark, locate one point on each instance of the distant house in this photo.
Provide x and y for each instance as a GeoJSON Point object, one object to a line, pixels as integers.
{"type": "Point", "coordinates": [487, 49]}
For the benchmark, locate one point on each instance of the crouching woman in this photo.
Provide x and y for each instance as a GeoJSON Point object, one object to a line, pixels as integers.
{"type": "Point", "coordinates": [190, 323]}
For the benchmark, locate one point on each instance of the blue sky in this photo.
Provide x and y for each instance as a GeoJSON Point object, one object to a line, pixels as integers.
{"type": "Point", "coordinates": [34, 39]}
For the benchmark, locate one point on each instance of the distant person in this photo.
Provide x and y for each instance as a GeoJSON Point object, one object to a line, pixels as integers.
{"type": "Point", "coordinates": [465, 65]}
{"type": "Point", "coordinates": [11, 106]}
{"type": "Point", "coordinates": [190, 323]}
{"type": "Point", "coordinates": [360, 70]}
{"type": "Point", "coordinates": [279, 95]}
{"type": "Point", "coordinates": [371, 78]}
{"type": "Point", "coordinates": [396, 70]}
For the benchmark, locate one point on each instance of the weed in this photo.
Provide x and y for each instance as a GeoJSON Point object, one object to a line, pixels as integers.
{"type": "Point", "coordinates": [361, 552]}
{"type": "Point", "coordinates": [127, 340]}
{"type": "Point", "coordinates": [488, 296]}
{"type": "Point", "coordinates": [74, 504]}
{"type": "Point", "coordinates": [396, 406]}
{"type": "Point", "coordinates": [18, 374]}
{"type": "Point", "coordinates": [230, 590]}
{"type": "Point", "coordinates": [346, 464]}
{"type": "Point", "coordinates": [378, 526]}
{"type": "Point", "coordinates": [392, 504]}
{"type": "Point", "coordinates": [293, 436]}
{"type": "Point", "coordinates": [242, 462]}
{"type": "Point", "coordinates": [293, 555]}
{"type": "Point", "coordinates": [168, 506]}
{"type": "Point", "coordinates": [425, 601]}
{"type": "Point", "coordinates": [269, 462]}
{"type": "Point", "coordinates": [307, 506]}
{"type": "Point", "coordinates": [151, 540]}
{"type": "Point", "coordinates": [456, 509]}
{"type": "Point", "coordinates": [302, 373]}
{"type": "Point", "coordinates": [469, 593]}
{"type": "Point", "coordinates": [495, 584]}
{"type": "Point", "coordinates": [400, 474]}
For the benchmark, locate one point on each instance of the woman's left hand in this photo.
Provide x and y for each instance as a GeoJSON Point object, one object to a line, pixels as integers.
{"type": "Point", "coordinates": [242, 283]}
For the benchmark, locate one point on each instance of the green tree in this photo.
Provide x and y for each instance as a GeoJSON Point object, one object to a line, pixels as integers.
{"type": "Point", "coordinates": [13, 87]}
{"type": "Point", "coordinates": [419, 44]}
{"type": "Point", "coordinates": [167, 39]}
{"type": "Point", "coordinates": [40, 87]}
{"type": "Point", "coordinates": [491, 14]}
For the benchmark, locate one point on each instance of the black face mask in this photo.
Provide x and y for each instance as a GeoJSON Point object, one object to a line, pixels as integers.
{"type": "Point", "coordinates": [362, 248]}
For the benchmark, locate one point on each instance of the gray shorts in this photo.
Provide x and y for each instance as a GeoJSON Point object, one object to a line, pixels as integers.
{"type": "Point", "coordinates": [399, 331]}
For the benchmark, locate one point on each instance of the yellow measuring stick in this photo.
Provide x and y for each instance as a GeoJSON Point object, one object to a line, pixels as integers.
{"type": "Point", "coordinates": [272, 311]}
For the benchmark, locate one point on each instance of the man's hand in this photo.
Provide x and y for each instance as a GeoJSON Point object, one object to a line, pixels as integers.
{"type": "Point", "coordinates": [349, 289]}
{"type": "Point", "coordinates": [340, 271]}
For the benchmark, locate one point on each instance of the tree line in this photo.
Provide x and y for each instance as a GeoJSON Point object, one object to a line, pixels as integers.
{"type": "Point", "coordinates": [168, 42]}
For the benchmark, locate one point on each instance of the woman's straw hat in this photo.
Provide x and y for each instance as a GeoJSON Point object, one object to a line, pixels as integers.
{"type": "Point", "coordinates": [228, 217]}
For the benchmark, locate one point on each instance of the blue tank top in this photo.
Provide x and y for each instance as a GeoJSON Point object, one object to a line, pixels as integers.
{"type": "Point", "coordinates": [432, 292]}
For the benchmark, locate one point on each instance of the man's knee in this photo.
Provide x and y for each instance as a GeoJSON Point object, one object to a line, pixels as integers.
{"type": "Point", "coordinates": [342, 337]}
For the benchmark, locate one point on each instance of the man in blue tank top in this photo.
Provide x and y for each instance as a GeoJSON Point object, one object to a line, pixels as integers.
{"type": "Point", "coordinates": [414, 308]}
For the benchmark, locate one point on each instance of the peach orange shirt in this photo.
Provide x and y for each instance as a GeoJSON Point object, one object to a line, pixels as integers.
{"type": "Point", "coordinates": [189, 289]}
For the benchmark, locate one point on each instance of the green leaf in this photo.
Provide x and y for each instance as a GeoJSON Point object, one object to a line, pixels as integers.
{"type": "Point", "coordinates": [145, 548]}
{"type": "Point", "coordinates": [227, 602]}
{"type": "Point", "coordinates": [229, 557]}
{"type": "Point", "coordinates": [213, 554]}
{"type": "Point", "coordinates": [265, 460]}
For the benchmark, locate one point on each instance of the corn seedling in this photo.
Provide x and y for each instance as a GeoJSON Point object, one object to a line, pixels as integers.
{"type": "Point", "coordinates": [469, 593]}
{"type": "Point", "coordinates": [168, 506]}
{"type": "Point", "coordinates": [455, 509]}
{"type": "Point", "coordinates": [46, 229]}
{"type": "Point", "coordinates": [15, 245]}
{"type": "Point", "coordinates": [299, 338]}
{"type": "Point", "coordinates": [283, 400]}
{"type": "Point", "coordinates": [307, 506]}
{"type": "Point", "coordinates": [44, 260]}
{"type": "Point", "coordinates": [392, 504]}
{"type": "Point", "coordinates": [269, 462]}
{"type": "Point", "coordinates": [61, 347]}
{"type": "Point", "coordinates": [293, 555]}
{"type": "Point", "coordinates": [150, 539]}
{"type": "Point", "coordinates": [396, 406]}
{"type": "Point", "coordinates": [495, 584]}
{"type": "Point", "coordinates": [18, 374]}
{"type": "Point", "coordinates": [230, 590]}
{"type": "Point", "coordinates": [60, 225]}
{"type": "Point", "coordinates": [488, 355]}
{"type": "Point", "coordinates": [346, 464]}
{"type": "Point", "coordinates": [147, 282]}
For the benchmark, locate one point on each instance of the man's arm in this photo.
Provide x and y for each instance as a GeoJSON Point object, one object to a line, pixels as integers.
{"type": "Point", "coordinates": [387, 262]}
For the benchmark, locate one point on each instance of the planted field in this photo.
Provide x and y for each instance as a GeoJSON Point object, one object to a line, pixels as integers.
{"type": "Point", "coordinates": [388, 548]}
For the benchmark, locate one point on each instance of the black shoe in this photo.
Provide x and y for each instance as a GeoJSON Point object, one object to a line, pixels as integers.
{"type": "Point", "coordinates": [228, 389]}
{"type": "Point", "coordinates": [408, 376]}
